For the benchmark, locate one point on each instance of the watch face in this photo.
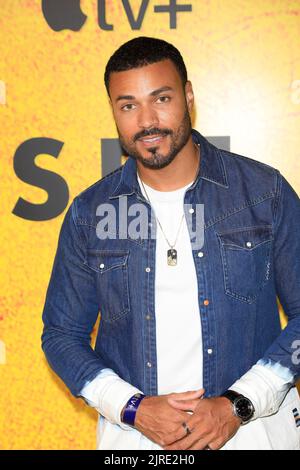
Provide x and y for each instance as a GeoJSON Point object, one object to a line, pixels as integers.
{"type": "Point", "coordinates": [244, 408]}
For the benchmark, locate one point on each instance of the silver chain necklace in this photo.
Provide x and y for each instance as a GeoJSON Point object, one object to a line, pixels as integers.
{"type": "Point", "coordinates": [172, 252]}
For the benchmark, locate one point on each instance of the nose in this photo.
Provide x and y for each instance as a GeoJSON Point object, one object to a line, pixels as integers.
{"type": "Point", "coordinates": [147, 117]}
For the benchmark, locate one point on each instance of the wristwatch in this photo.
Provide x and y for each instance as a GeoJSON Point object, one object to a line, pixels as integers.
{"type": "Point", "coordinates": [242, 407]}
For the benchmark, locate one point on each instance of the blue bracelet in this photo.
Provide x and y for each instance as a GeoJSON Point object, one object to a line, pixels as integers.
{"type": "Point", "coordinates": [131, 408]}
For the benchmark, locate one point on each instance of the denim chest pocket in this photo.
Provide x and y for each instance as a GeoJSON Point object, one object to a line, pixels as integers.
{"type": "Point", "coordinates": [246, 254]}
{"type": "Point", "coordinates": [111, 269]}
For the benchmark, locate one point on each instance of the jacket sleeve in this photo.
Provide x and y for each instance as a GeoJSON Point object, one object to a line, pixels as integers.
{"type": "Point", "coordinates": [71, 310]}
{"type": "Point", "coordinates": [268, 381]}
{"type": "Point", "coordinates": [285, 350]}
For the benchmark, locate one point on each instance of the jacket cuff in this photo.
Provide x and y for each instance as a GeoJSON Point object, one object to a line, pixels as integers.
{"type": "Point", "coordinates": [264, 388]}
{"type": "Point", "coordinates": [114, 399]}
{"type": "Point", "coordinates": [108, 394]}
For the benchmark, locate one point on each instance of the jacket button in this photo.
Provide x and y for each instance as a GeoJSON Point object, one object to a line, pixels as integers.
{"type": "Point", "coordinates": [209, 351]}
{"type": "Point", "coordinates": [148, 317]}
{"type": "Point", "coordinates": [191, 210]}
{"type": "Point", "coordinates": [149, 364]}
{"type": "Point", "coordinates": [148, 270]}
{"type": "Point", "coordinates": [101, 265]}
{"type": "Point", "coordinates": [200, 254]}
{"type": "Point", "coordinates": [206, 302]}
{"type": "Point", "coordinates": [249, 244]}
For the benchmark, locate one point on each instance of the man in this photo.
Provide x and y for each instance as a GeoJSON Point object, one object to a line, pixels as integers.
{"type": "Point", "coordinates": [189, 352]}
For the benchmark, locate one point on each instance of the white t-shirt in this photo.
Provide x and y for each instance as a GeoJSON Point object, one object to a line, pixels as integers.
{"type": "Point", "coordinates": [178, 325]}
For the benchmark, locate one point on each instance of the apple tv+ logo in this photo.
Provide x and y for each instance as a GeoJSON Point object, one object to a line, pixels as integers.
{"type": "Point", "coordinates": [63, 14]}
{"type": "Point", "coordinates": [67, 14]}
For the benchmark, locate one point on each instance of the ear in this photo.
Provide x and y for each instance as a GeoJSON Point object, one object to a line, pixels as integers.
{"type": "Point", "coordinates": [111, 106]}
{"type": "Point", "coordinates": [189, 96]}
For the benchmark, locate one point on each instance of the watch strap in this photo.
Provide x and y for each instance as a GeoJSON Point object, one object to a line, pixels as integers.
{"type": "Point", "coordinates": [231, 395]}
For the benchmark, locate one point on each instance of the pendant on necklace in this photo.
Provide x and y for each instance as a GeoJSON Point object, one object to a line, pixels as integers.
{"type": "Point", "coordinates": [172, 257]}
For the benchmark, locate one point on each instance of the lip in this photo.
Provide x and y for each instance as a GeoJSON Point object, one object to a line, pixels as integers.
{"type": "Point", "coordinates": [153, 139]}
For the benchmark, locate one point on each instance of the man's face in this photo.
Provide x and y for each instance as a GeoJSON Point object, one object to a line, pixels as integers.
{"type": "Point", "coordinates": [151, 111]}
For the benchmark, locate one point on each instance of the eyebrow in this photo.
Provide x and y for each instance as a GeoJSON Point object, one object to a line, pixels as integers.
{"type": "Point", "coordinates": [153, 93]}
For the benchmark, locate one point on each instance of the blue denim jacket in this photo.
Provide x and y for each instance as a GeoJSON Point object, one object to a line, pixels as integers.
{"type": "Point", "coordinates": [251, 255]}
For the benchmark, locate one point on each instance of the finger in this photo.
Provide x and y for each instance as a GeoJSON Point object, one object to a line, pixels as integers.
{"type": "Point", "coordinates": [178, 439]}
{"type": "Point", "coordinates": [216, 445]}
{"type": "Point", "coordinates": [188, 395]}
{"type": "Point", "coordinates": [186, 442]}
{"type": "Point", "coordinates": [184, 405]}
{"type": "Point", "coordinates": [181, 434]}
{"type": "Point", "coordinates": [194, 441]}
{"type": "Point", "coordinates": [205, 443]}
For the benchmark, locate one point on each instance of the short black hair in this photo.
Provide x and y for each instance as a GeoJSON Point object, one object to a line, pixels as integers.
{"type": "Point", "coordinates": [142, 51]}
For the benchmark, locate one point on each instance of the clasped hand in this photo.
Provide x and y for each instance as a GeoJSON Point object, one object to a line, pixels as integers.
{"type": "Point", "coordinates": [187, 421]}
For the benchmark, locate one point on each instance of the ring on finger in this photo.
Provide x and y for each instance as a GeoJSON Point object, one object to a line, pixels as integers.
{"type": "Point", "coordinates": [186, 428]}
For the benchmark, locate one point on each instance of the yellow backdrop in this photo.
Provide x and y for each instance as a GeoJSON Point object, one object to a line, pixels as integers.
{"type": "Point", "coordinates": [244, 62]}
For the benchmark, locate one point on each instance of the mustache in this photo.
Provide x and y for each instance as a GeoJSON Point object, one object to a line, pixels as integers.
{"type": "Point", "coordinates": [153, 131]}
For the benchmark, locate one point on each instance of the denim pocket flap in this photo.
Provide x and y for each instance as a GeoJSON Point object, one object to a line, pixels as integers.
{"type": "Point", "coordinates": [105, 260]}
{"type": "Point", "coordinates": [246, 237]}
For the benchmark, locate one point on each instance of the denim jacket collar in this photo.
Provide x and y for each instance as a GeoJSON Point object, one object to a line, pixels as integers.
{"type": "Point", "coordinates": [212, 169]}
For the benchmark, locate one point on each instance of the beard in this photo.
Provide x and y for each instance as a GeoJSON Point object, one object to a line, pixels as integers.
{"type": "Point", "coordinates": [156, 159]}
